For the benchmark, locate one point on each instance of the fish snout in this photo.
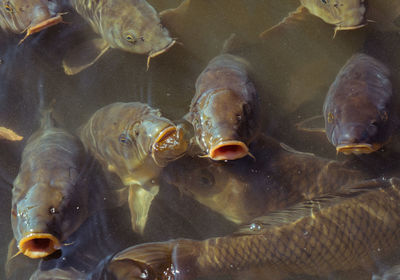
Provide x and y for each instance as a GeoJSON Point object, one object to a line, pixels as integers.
{"type": "Point", "coordinates": [357, 139]}
{"type": "Point", "coordinates": [229, 150]}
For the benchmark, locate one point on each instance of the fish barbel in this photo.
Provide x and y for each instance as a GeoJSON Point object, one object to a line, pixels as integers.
{"type": "Point", "coordinates": [224, 111]}
{"type": "Point", "coordinates": [350, 229]}
{"type": "Point", "coordinates": [31, 16]}
{"type": "Point", "coordinates": [130, 25]}
{"type": "Point", "coordinates": [134, 141]}
{"type": "Point", "coordinates": [358, 108]}
{"type": "Point", "coordinates": [49, 196]}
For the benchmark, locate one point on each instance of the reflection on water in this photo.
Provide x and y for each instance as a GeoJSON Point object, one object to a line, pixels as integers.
{"type": "Point", "coordinates": [293, 67]}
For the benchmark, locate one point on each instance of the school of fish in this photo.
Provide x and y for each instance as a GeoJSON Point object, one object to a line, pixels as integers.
{"type": "Point", "coordinates": [293, 213]}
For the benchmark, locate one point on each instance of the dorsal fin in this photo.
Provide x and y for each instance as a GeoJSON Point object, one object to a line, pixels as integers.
{"type": "Point", "coordinates": [310, 207]}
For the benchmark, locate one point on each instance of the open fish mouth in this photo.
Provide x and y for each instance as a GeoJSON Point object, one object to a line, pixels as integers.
{"type": "Point", "coordinates": [154, 53]}
{"type": "Point", "coordinates": [39, 245]}
{"type": "Point", "coordinates": [358, 149]}
{"type": "Point", "coordinates": [229, 150]}
{"type": "Point", "coordinates": [166, 139]}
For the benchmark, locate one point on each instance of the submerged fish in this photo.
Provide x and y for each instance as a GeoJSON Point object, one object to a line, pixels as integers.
{"type": "Point", "coordinates": [134, 141]}
{"type": "Point", "coordinates": [358, 107]}
{"type": "Point", "coordinates": [49, 196]}
{"type": "Point", "coordinates": [225, 109]}
{"type": "Point", "coordinates": [31, 16]}
{"type": "Point", "coordinates": [130, 25]}
{"type": "Point", "coordinates": [343, 14]}
{"type": "Point", "coordinates": [351, 229]}
{"type": "Point", "coordinates": [244, 190]}
{"type": "Point", "coordinates": [58, 274]}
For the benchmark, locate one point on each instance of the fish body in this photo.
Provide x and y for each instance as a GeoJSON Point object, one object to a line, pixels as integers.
{"type": "Point", "coordinates": [351, 229]}
{"type": "Point", "coordinates": [344, 14]}
{"type": "Point", "coordinates": [18, 16]}
{"type": "Point", "coordinates": [358, 106]}
{"type": "Point", "coordinates": [49, 196]}
{"type": "Point", "coordinates": [133, 141]}
{"type": "Point", "coordinates": [130, 25]}
{"type": "Point", "coordinates": [224, 111]}
{"type": "Point", "coordinates": [246, 189]}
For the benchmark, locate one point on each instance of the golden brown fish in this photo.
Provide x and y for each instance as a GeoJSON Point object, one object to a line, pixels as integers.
{"type": "Point", "coordinates": [50, 195]}
{"type": "Point", "coordinates": [354, 228]}
{"type": "Point", "coordinates": [31, 16]}
{"type": "Point", "coordinates": [130, 25]}
{"type": "Point", "coordinates": [246, 189]}
{"type": "Point", "coordinates": [343, 14]}
{"type": "Point", "coordinates": [224, 111]}
{"type": "Point", "coordinates": [134, 141]}
{"type": "Point", "coordinates": [358, 108]}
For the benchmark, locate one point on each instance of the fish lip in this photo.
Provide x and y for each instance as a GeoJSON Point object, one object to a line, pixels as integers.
{"type": "Point", "coordinates": [165, 133]}
{"type": "Point", "coordinates": [221, 151]}
{"type": "Point", "coordinates": [362, 148]}
{"type": "Point", "coordinates": [29, 247]}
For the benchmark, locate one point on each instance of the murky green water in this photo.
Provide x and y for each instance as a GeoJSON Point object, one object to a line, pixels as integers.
{"type": "Point", "coordinates": [293, 69]}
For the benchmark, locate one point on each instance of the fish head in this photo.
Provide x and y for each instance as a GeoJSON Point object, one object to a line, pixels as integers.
{"type": "Point", "coordinates": [20, 15]}
{"type": "Point", "coordinates": [144, 36]}
{"type": "Point", "coordinates": [345, 14]}
{"type": "Point", "coordinates": [46, 216]}
{"type": "Point", "coordinates": [358, 126]}
{"type": "Point", "coordinates": [224, 125]}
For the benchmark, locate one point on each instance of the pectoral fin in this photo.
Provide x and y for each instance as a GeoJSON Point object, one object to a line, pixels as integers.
{"type": "Point", "coordinates": [313, 124]}
{"type": "Point", "coordinates": [292, 19]}
{"type": "Point", "coordinates": [84, 55]}
{"type": "Point", "coordinates": [140, 200]}
{"type": "Point", "coordinates": [8, 134]}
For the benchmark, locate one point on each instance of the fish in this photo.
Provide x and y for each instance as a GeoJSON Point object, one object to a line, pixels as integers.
{"type": "Point", "coordinates": [129, 25]}
{"type": "Point", "coordinates": [133, 141]}
{"type": "Point", "coordinates": [224, 110]}
{"type": "Point", "coordinates": [30, 16]}
{"type": "Point", "coordinates": [351, 229]}
{"type": "Point", "coordinates": [8, 134]}
{"type": "Point", "coordinates": [243, 190]}
{"type": "Point", "coordinates": [50, 193]}
{"type": "Point", "coordinates": [343, 14]}
{"type": "Point", "coordinates": [358, 108]}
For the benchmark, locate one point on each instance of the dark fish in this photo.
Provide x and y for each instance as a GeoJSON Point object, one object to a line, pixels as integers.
{"type": "Point", "coordinates": [358, 107]}
{"type": "Point", "coordinates": [224, 111]}
{"type": "Point", "coordinates": [351, 229]}
{"type": "Point", "coordinates": [130, 25]}
{"type": "Point", "coordinates": [31, 16]}
{"type": "Point", "coordinates": [49, 197]}
{"type": "Point", "coordinates": [244, 190]}
{"type": "Point", "coordinates": [134, 141]}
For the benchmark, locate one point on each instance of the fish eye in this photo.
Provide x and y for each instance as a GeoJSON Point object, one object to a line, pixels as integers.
{"type": "Point", "coordinates": [384, 116]}
{"type": "Point", "coordinates": [8, 7]}
{"type": "Point", "coordinates": [207, 179]}
{"type": "Point", "coordinates": [131, 38]}
{"type": "Point", "coordinates": [330, 117]}
{"type": "Point", "coordinates": [52, 210]}
{"type": "Point", "coordinates": [324, 1]}
{"type": "Point", "coordinates": [124, 139]}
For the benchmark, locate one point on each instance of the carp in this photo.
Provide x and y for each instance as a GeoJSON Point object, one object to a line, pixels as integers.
{"type": "Point", "coordinates": [50, 193]}
{"type": "Point", "coordinates": [224, 111]}
{"type": "Point", "coordinates": [32, 16]}
{"type": "Point", "coordinates": [343, 14]}
{"type": "Point", "coordinates": [358, 109]}
{"type": "Point", "coordinates": [353, 228]}
{"type": "Point", "coordinates": [129, 25]}
{"type": "Point", "coordinates": [133, 141]}
{"type": "Point", "coordinates": [246, 189]}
